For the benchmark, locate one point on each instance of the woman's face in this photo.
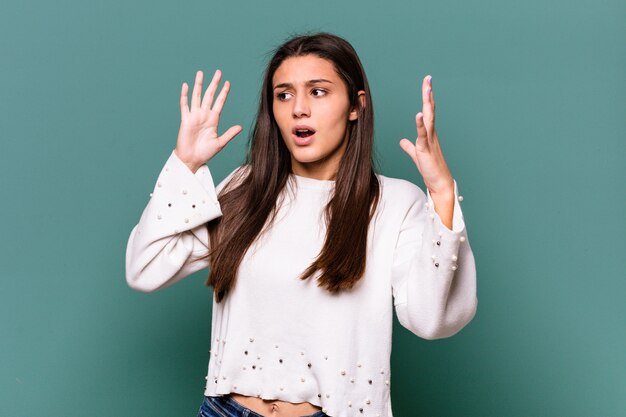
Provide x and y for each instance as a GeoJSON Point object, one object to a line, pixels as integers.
{"type": "Point", "coordinates": [312, 110]}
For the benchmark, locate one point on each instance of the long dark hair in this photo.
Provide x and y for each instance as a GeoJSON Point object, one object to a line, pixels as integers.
{"type": "Point", "coordinates": [249, 200]}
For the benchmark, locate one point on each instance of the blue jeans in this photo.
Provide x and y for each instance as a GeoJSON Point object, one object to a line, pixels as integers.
{"type": "Point", "coordinates": [225, 406]}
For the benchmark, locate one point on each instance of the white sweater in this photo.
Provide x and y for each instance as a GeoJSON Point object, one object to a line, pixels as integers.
{"type": "Point", "coordinates": [277, 337]}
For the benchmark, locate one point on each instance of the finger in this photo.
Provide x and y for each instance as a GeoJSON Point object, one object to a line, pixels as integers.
{"type": "Point", "coordinates": [229, 134]}
{"type": "Point", "coordinates": [428, 108]}
{"type": "Point", "coordinates": [184, 103]}
{"type": "Point", "coordinates": [432, 99]}
{"type": "Point", "coordinates": [210, 91]}
{"type": "Point", "coordinates": [408, 147]}
{"type": "Point", "coordinates": [422, 134]}
{"type": "Point", "coordinates": [197, 90]}
{"type": "Point", "coordinates": [221, 98]}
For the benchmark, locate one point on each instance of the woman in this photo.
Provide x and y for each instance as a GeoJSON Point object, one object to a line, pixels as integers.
{"type": "Point", "coordinates": [310, 250]}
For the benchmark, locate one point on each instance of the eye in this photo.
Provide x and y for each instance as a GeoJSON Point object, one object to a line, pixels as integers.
{"type": "Point", "coordinates": [319, 89]}
{"type": "Point", "coordinates": [280, 96]}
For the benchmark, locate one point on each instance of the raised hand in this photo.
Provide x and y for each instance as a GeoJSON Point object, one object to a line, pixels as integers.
{"type": "Point", "coordinates": [198, 140]}
{"type": "Point", "coordinates": [426, 153]}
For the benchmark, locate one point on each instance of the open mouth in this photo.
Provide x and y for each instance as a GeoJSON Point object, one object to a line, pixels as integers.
{"type": "Point", "coordinates": [303, 132]}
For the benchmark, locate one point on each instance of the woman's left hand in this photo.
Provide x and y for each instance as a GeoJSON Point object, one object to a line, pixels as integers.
{"type": "Point", "coordinates": [426, 153]}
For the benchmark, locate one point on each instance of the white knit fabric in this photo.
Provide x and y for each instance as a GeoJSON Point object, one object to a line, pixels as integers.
{"type": "Point", "coordinates": [278, 337]}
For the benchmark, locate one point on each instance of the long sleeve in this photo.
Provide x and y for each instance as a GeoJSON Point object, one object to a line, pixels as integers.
{"type": "Point", "coordinates": [433, 272]}
{"type": "Point", "coordinates": [171, 240]}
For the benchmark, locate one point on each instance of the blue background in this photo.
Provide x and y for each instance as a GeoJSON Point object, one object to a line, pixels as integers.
{"type": "Point", "coordinates": [531, 116]}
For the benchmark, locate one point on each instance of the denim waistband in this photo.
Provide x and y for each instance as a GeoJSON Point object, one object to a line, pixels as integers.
{"type": "Point", "coordinates": [230, 408]}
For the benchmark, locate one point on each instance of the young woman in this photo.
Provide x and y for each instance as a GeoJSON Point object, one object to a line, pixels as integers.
{"type": "Point", "coordinates": [310, 250]}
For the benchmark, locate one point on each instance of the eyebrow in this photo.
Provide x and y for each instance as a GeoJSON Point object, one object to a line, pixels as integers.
{"type": "Point", "coordinates": [310, 82]}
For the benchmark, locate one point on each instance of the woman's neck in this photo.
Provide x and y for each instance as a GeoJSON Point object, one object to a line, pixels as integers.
{"type": "Point", "coordinates": [314, 170]}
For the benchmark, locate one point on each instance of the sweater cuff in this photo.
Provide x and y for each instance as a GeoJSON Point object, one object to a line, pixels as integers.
{"type": "Point", "coordinates": [458, 224]}
{"type": "Point", "coordinates": [183, 199]}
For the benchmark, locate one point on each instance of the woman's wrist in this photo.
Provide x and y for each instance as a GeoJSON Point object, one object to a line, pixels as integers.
{"type": "Point", "coordinates": [193, 167]}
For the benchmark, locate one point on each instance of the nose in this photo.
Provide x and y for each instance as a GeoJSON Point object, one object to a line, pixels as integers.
{"type": "Point", "coordinates": [301, 106]}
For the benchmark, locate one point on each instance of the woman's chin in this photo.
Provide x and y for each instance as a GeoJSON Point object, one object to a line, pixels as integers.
{"type": "Point", "coordinates": [306, 158]}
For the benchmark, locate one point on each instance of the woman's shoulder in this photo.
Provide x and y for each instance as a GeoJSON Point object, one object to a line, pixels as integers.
{"type": "Point", "coordinates": [234, 178]}
{"type": "Point", "coordinates": [400, 190]}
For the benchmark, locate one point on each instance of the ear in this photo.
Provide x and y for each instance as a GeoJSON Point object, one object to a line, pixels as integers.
{"type": "Point", "coordinates": [354, 112]}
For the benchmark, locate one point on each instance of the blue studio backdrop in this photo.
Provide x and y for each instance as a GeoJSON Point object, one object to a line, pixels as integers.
{"type": "Point", "coordinates": [531, 100]}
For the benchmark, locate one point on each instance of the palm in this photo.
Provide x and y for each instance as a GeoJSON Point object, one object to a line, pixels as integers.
{"type": "Point", "coordinates": [200, 131]}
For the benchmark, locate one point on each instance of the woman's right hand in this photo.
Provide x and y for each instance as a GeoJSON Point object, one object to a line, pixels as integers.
{"type": "Point", "coordinates": [198, 140]}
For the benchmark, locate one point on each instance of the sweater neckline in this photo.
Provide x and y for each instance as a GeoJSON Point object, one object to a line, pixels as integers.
{"type": "Point", "coordinates": [312, 183]}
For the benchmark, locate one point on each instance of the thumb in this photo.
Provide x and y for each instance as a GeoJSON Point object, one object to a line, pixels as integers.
{"type": "Point", "coordinates": [409, 148]}
{"type": "Point", "coordinates": [229, 134]}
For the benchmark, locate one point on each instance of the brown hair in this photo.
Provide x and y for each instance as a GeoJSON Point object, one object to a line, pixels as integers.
{"type": "Point", "coordinates": [249, 200]}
